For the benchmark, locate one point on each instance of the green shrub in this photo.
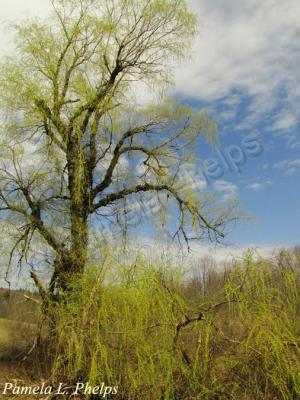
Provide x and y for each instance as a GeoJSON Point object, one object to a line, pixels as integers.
{"type": "Point", "coordinates": [136, 327]}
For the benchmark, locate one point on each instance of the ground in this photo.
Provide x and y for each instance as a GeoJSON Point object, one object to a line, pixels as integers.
{"type": "Point", "coordinates": [14, 338]}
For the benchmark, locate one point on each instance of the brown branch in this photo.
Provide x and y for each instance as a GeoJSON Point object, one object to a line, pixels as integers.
{"type": "Point", "coordinates": [118, 151]}
{"type": "Point", "coordinates": [48, 114]}
{"type": "Point", "coordinates": [187, 321]}
{"type": "Point", "coordinates": [42, 291]}
{"type": "Point", "coordinates": [31, 299]}
{"type": "Point", "coordinates": [52, 137]}
{"type": "Point", "coordinates": [92, 105]}
{"type": "Point", "coordinates": [110, 198]}
{"type": "Point", "coordinates": [183, 205]}
{"type": "Point", "coordinates": [36, 221]}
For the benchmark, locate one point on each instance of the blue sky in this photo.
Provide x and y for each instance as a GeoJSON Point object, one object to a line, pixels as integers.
{"type": "Point", "coordinates": [266, 184]}
{"type": "Point", "coordinates": [245, 69]}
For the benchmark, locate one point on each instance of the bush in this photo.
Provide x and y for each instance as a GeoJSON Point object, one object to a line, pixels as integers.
{"type": "Point", "coordinates": [136, 327]}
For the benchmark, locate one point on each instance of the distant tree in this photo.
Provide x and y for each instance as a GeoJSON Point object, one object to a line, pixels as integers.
{"type": "Point", "coordinates": [72, 125]}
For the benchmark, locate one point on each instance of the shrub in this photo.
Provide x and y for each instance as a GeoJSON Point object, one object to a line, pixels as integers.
{"type": "Point", "coordinates": [135, 326]}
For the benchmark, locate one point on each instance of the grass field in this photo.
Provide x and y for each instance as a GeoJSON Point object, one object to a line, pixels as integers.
{"type": "Point", "coordinates": [6, 329]}
{"type": "Point", "coordinates": [15, 340]}
{"type": "Point", "coordinates": [15, 337]}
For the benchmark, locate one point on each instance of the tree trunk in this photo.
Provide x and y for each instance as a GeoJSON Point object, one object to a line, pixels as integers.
{"type": "Point", "coordinates": [67, 270]}
{"type": "Point", "coordinates": [73, 265]}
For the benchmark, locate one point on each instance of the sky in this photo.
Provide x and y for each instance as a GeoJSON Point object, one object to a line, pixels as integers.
{"type": "Point", "coordinates": [245, 69]}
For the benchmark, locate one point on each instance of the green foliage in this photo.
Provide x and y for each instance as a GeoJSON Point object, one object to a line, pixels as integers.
{"type": "Point", "coordinates": [79, 149]}
{"type": "Point", "coordinates": [121, 331]}
{"type": "Point", "coordinates": [76, 47]}
{"type": "Point", "coordinates": [127, 326]}
{"type": "Point", "coordinates": [268, 311]}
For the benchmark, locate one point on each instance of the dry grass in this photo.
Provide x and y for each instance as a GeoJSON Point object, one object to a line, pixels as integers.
{"type": "Point", "coordinates": [15, 338]}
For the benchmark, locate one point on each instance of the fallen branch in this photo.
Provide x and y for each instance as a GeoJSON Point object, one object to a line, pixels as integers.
{"type": "Point", "coordinates": [31, 299]}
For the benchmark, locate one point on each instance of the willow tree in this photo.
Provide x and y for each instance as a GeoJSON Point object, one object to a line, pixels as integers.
{"type": "Point", "coordinates": [71, 124]}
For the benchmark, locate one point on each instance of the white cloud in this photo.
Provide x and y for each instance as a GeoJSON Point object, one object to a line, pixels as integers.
{"type": "Point", "coordinates": [16, 10]}
{"type": "Point", "coordinates": [157, 250]}
{"type": "Point", "coordinates": [255, 186]}
{"type": "Point", "coordinates": [221, 254]}
{"type": "Point", "coordinates": [190, 178]}
{"type": "Point", "coordinates": [290, 172]}
{"type": "Point", "coordinates": [287, 163]}
{"type": "Point", "coordinates": [227, 115]}
{"type": "Point", "coordinates": [284, 121]}
{"type": "Point", "coordinates": [250, 46]}
{"type": "Point", "coordinates": [227, 254]}
{"type": "Point", "coordinates": [227, 190]}
{"type": "Point", "coordinates": [288, 167]}
{"type": "Point", "coordinates": [225, 186]}
{"type": "Point", "coordinates": [293, 142]}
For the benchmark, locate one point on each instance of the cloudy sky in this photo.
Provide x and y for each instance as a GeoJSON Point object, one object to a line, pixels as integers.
{"type": "Point", "coordinates": [245, 69]}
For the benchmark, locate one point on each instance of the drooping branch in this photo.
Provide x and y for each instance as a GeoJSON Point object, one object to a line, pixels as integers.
{"type": "Point", "coordinates": [184, 206]}
{"type": "Point", "coordinates": [34, 218]}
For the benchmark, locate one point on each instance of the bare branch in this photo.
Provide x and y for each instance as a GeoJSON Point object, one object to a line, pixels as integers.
{"type": "Point", "coordinates": [42, 291]}
{"type": "Point", "coordinates": [116, 155]}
